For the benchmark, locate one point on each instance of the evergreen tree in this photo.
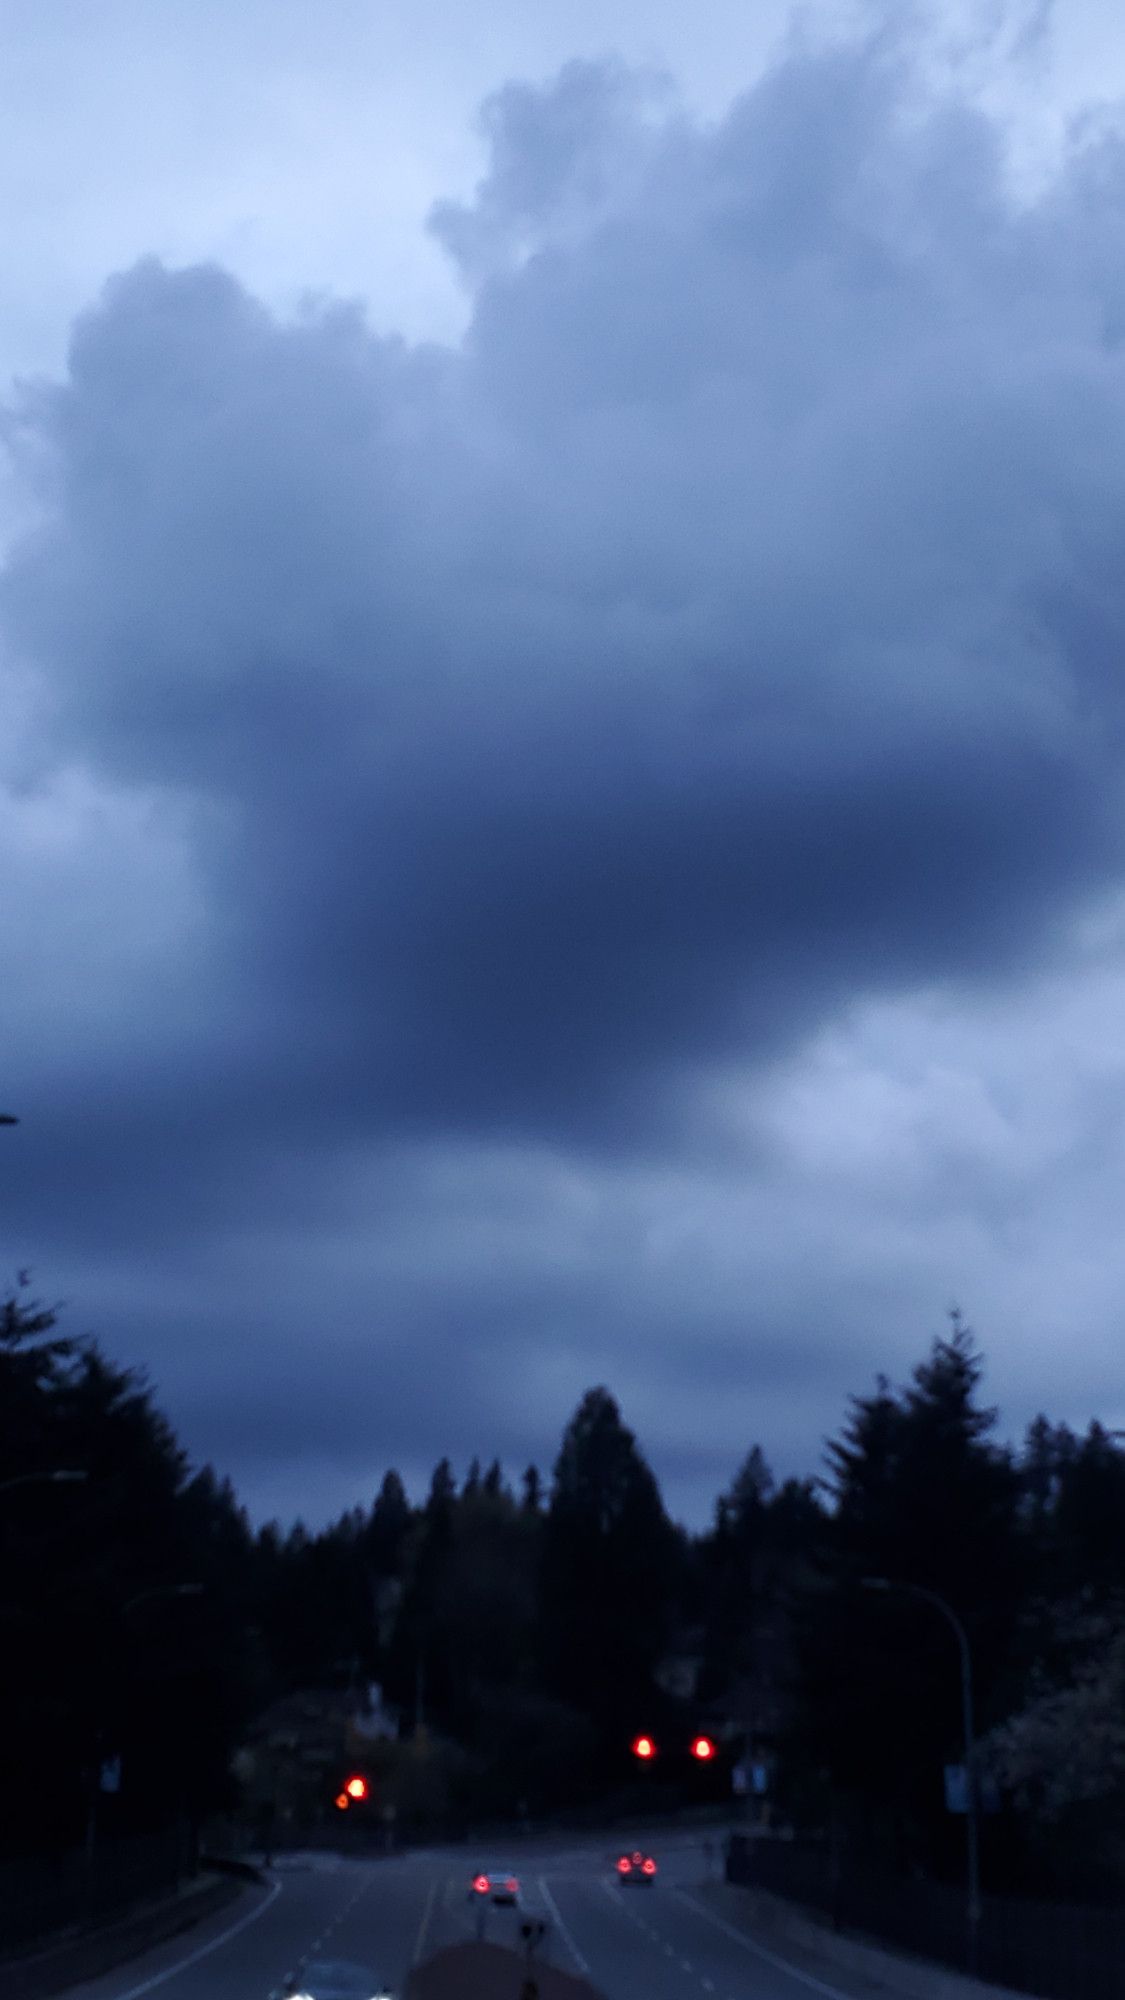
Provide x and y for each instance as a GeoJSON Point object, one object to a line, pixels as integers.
{"type": "Point", "coordinates": [922, 1496]}
{"type": "Point", "coordinates": [388, 1528]}
{"type": "Point", "coordinates": [608, 1573]}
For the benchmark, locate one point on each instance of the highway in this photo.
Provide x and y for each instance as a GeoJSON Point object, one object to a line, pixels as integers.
{"type": "Point", "coordinates": [667, 1941]}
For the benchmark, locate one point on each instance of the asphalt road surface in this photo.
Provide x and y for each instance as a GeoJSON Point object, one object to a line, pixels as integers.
{"type": "Point", "coordinates": [633, 1942]}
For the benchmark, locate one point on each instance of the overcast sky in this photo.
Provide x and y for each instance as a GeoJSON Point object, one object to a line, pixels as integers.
{"type": "Point", "coordinates": [562, 729]}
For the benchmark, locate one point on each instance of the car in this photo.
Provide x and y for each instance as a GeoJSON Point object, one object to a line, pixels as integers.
{"type": "Point", "coordinates": [335, 1979]}
{"type": "Point", "coordinates": [497, 1885]}
{"type": "Point", "coordinates": [636, 1866]}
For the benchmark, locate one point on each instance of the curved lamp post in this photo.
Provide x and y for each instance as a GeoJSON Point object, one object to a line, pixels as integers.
{"type": "Point", "coordinates": [885, 1583]}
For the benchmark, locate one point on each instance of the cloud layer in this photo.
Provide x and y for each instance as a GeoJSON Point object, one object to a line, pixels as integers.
{"type": "Point", "coordinates": [489, 752]}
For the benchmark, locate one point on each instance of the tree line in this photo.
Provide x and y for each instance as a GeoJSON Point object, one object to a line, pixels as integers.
{"type": "Point", "coordinates": [535, 1627]}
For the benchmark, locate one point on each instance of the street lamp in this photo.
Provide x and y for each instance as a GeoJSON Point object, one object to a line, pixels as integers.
{"type": "Point", "coordinates": [63, 1477]}
{"type": "Point", "coordinates": [885, 1583]}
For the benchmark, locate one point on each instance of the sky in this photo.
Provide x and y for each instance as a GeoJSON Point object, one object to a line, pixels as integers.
{"type": "Point", "coordinates": [562, 771]}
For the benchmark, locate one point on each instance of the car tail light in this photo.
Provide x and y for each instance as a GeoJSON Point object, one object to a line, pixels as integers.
{"type": "Point", "coordinates": [480, 1884]}
{"type": "Point", "coordinates": [649, 1867]}
{"type": "Point", "coordinates": [512, 1885]}
{"type": "Point", "coordinates": [637, 1859]}
{"type": "Point", "coordinates": [624, 1865]}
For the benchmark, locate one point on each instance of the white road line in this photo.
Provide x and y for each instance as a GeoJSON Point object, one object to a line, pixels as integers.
{"type": "Point", "coordinates": [205, 1950]}
{"type": "Point", "coordinates": [576, 1955]}
{"type": "Point", "coordinates": [425, 1923]}
{"type": "Point", "coordinates": [686, 1965]}
{"type": "Point", "coordinates": [759, 1950]}
{"type": "Point", "coordinates": [710, 1985]}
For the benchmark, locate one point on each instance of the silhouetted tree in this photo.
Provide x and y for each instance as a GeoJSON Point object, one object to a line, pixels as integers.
{"type": "Point", "coordinates": [922, 1496]}
{"type": "Point", "coordinates": [608, 1572]}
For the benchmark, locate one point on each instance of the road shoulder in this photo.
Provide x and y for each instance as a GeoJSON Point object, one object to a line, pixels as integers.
{"type": "Point", "coordinates": [87, 1956]}
{"type": "Point", "coordinates": [853, 1966]}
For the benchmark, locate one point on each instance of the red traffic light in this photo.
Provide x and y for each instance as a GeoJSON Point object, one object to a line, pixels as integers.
{"type": "Point", "coordinates": [702, 1747]}
{"type": "Point", "coordinates": [356, 1788]}
{"type": "Point", "coordinates": [643, 1746]}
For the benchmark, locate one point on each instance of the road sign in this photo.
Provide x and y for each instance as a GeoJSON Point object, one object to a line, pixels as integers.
{"type": "Point", "coordinates": [957, 1791]}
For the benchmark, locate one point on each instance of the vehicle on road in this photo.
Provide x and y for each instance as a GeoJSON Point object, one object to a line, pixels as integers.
{"type": "Point", "coordinates": [497, 1885]}
{"type": "Point", "coordinates": [335, 1979]}
{"type": "Point", "coordinates": [636, 1866]}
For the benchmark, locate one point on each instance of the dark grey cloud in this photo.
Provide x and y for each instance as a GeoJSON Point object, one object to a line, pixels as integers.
{"type": "Point", "coordinates": [727, 631]}
{"type": "Point", "coordinates": [681, 656]}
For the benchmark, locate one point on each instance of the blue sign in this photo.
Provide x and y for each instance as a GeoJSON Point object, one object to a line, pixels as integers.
{"type": "Point", "coordinates": [957, 1791]}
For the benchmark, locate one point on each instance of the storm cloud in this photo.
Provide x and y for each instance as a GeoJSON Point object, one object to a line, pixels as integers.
{"type": "Point", "coordinates": [491, 751]}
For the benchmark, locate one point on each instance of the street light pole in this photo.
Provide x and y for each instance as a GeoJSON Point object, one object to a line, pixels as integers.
{"type": "Point", "coordinates": [973, 1907]}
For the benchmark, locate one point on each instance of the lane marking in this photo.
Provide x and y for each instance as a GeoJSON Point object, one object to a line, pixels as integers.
{"type": "Point", "coordinates": [710, 1985]}
{"type": "Point", "coordinates": [423, 1927]}
{"type": "Point", "coordinates": [758, 1950]}
{"type": "Point", "coordinates": [204, 1951]}
{"type": "Point", "coordinates": [576, 1955]}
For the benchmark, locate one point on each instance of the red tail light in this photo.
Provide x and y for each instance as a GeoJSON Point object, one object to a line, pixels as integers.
{"type": "Point", "coordinates": [624, 1865]}
{"type": "Point", "coordinates": [480, 1884]}
{"type": "Point", "coordinates": [512, 1885]}
{"type": "Point", "coordinates": [649, 1867]}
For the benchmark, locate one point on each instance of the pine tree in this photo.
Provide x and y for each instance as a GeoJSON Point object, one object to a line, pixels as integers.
{"type": "Point", "coordinates": [608, 1571]}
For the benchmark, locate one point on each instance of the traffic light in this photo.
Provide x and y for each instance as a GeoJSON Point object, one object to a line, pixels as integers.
{"type": "Point", "coordinates": [703, 1748]}
{"type": "Point", "coordinates": [353, 1792]}
{"type": "Point", "coordinates": [643, 1747]}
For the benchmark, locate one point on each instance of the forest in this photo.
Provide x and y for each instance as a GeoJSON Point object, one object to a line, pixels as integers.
{"type": "Point", "coordinates": [523, 1629]}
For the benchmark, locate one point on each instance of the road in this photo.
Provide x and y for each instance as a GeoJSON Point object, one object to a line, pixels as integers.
{"type": "Point", "coordinates": [658, 1942]}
